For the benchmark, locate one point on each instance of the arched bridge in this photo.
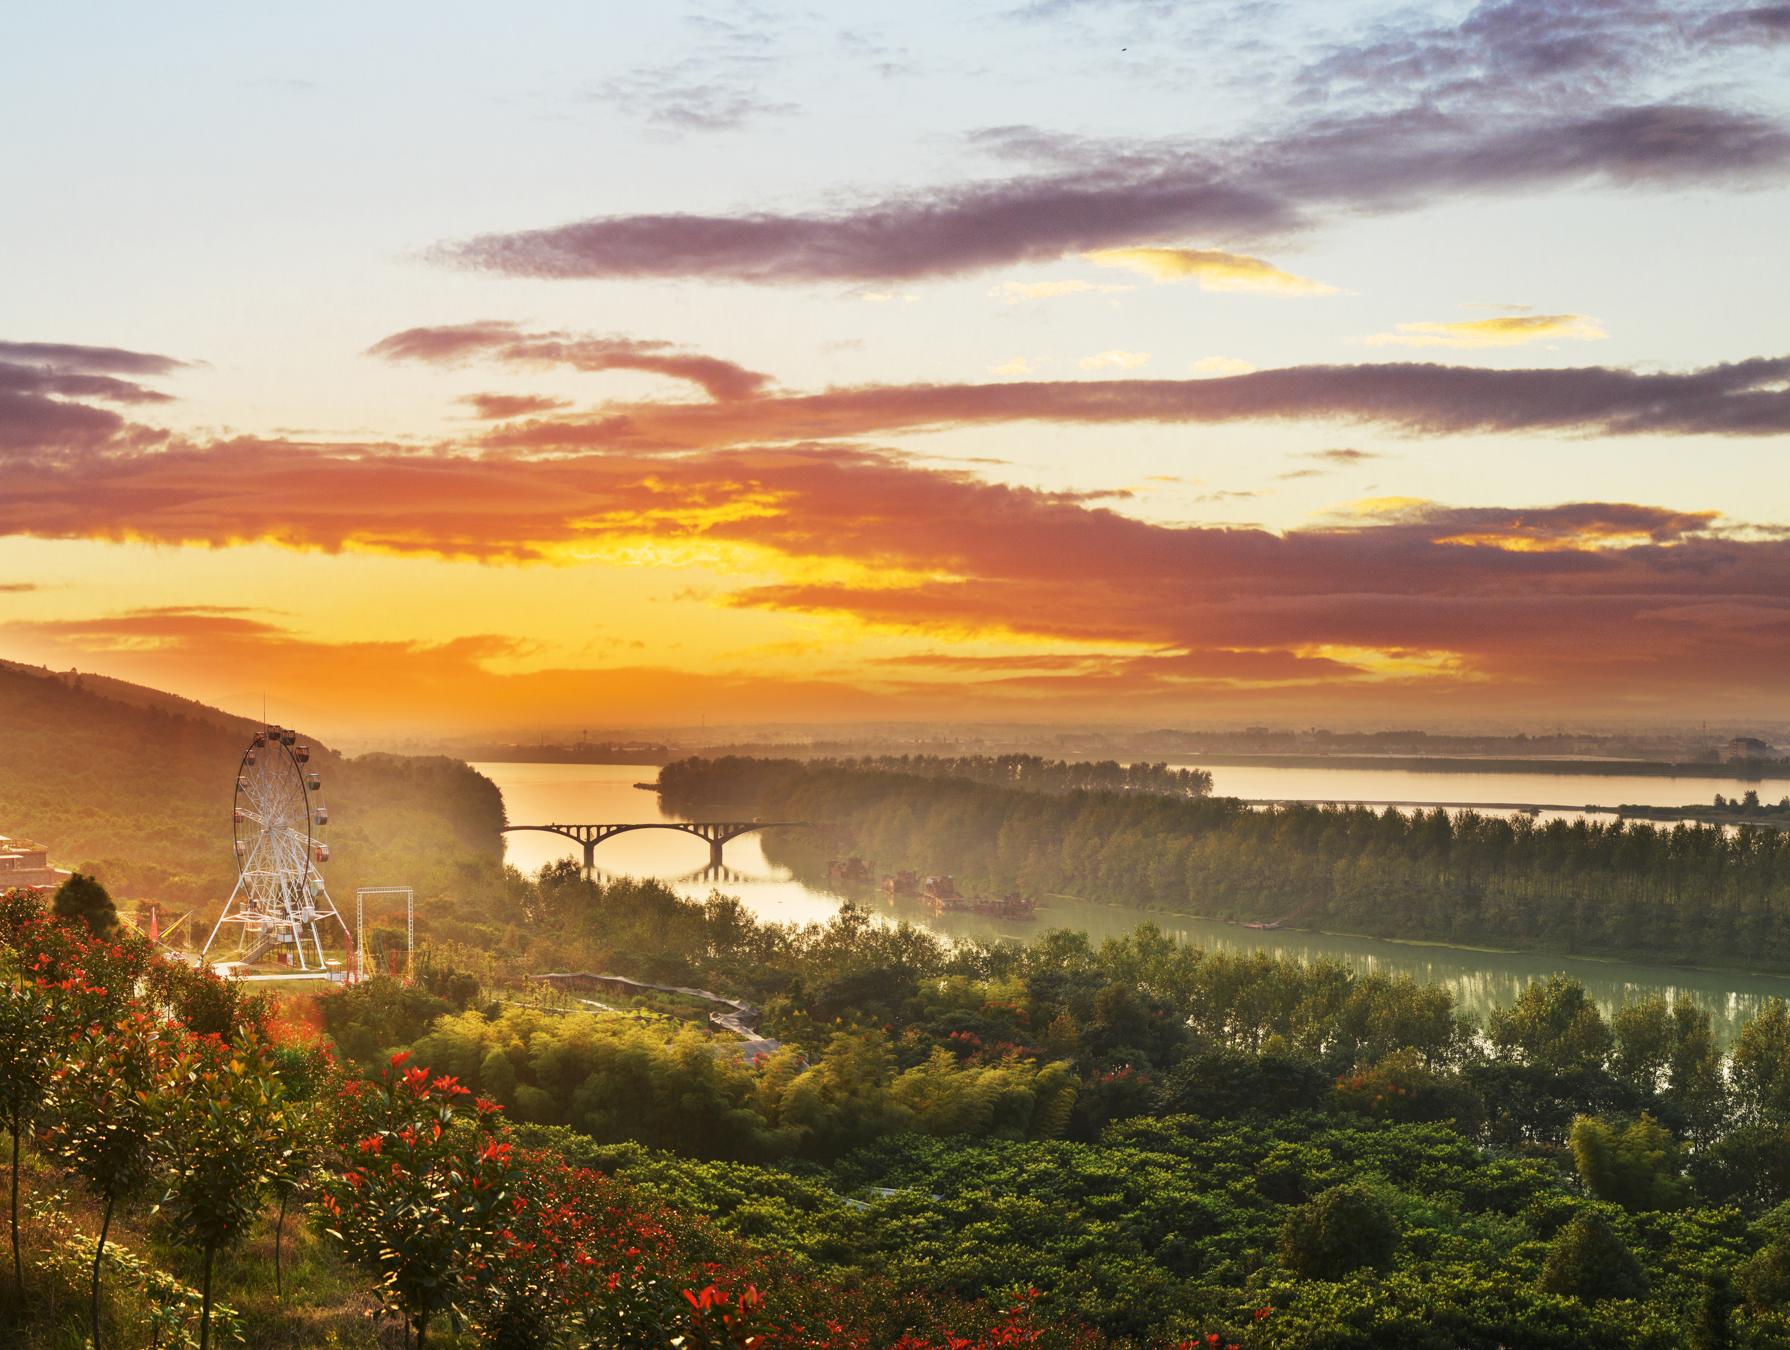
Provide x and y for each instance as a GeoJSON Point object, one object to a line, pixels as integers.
{"type": "Point", "coordinates": [716, 832]}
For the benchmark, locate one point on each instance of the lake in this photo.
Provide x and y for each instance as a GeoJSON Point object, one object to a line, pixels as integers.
{"type": "Point", "coordinates": [1315, 783]}
{"type": "Point", "coordinates": [1480, 981]}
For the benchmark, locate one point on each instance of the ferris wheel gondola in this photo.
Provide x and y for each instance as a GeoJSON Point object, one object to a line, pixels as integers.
{"type": "Point", "coordinates": [277, 821]}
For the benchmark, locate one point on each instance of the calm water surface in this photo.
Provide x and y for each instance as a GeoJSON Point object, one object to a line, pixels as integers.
{"type": "Point", "coordinates": [1572, 792]}
{"type": "Point", "coordinates": [1480, 981]}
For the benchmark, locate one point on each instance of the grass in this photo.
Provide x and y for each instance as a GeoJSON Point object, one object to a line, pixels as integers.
{"type": "Point", "coordinates": [327, 1305]}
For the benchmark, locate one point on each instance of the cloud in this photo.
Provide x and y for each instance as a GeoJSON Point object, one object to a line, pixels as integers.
{"type": "Point", "coordinates": [41, 384]}
{"type": "Point", "coordinates": [1341, 456]}
{"type": "Point", "coordinates": [1508, 330]}
{"type": "Point", "coordinates": [405, 685]}
{"type": "Point", "coordinates": [1365, 162]}
{"type": "Point", "coordinates": [137, 628]}
{"type": "Point", "coordinates": [1016, 292]}
{"type": "Point", "coordinates": [715, 83]}
{"type": "Point", "coordinates": [500, 406]}
{"type": "Point", "coordinates": [1212, 269]}
{"type": "Point", "coordinates": [17, 587]}
{"type": "Point", "coordinates": [1573, 525]}
{"type": "Point", "coordinates": [1588, 604]}
{"type": "Point", "coordinates": [62, 356]}
{"type": "Point", "coordinates": [1757, 24]}
{"type": "Point", "coordinates": [710, 107]}
{"type": "Point", "coordinates": [1221, 365]}
{"type": "Point", "coordinates": [1016, 366]}
{"type": "Point", "coordinates": [1742, 398]}
{"type": "Point", "coordinates": [1511, 52]}
{"type": "Point", "coordinates": [504, 342]}
{"type": "Point", "coordinates": [1328, 462]}
{"type": "Point", "coordinates": [1114, 360]}
{"type": "Point", "coordinates": [1513, 96]}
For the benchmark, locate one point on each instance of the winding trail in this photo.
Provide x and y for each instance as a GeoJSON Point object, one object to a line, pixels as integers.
{"type": "Point", "coordinates": [741, 1019]}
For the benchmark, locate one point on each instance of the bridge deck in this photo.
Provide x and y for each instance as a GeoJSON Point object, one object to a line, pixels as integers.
{"type": "Point", "coordinates": [714, 832]}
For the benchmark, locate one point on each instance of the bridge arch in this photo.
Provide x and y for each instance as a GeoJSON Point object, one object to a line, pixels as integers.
{"type": "Point", "coordinates": [716, 833]}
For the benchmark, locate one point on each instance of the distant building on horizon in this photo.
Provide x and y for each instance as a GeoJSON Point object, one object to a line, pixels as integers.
{"type": "Point", "coordinates": [1748, 747]}
{"type": "Point", "coordinates": [25, 864]}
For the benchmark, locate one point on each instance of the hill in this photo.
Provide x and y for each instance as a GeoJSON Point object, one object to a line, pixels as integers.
{"type": "Point", "coordinates": [135, 785]}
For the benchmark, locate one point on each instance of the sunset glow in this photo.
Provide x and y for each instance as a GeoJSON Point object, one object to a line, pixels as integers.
{"type": "Point", "coordinates": [536, 406]}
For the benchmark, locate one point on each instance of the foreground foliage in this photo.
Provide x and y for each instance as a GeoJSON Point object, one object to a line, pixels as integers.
{"type": "Point", "coordinates": [192, 1135]}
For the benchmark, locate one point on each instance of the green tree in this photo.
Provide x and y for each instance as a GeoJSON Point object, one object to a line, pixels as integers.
{"type": "Point", "coordinates": [1402, 1086]}
{"type": "Point", "coordinates": [1638, 1167]}
{"type": "Point", "coordinates": [28, 1054]}
{"type": "Point", "coordinates": [81, 899]}
{"type": "Point", "coordinates": [1644, 1035]}
{"type": "Point", "coordinates": [1764, 1280]}
{"type": "Point", "coordinates": [1588, 1261]}
{"type": "Point", "coordinates": [1554, 1026]}
{"type": "Point", "coordinates": [290, 1169]}
{"type": "Point", "coordinates": [1761, 1065]}
{"type": "Point", "coordinates": [105, 1115]}
{"type": "Point", "coordinates": [1344, 1229]}
{"type": "Point", "coordinates": [220, 1139]}
{"type": "Point", "coordinates": [1715, 1306]}
{"type": "Point", "coordinates": [1696, 1088]}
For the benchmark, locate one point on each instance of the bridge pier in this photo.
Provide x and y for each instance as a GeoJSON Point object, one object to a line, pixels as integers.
{"type": "Point", "coordinates": [714, 853]}
{"type": "Point", "coordinates": [590, 855]}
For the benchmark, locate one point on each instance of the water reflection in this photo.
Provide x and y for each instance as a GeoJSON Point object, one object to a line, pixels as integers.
{"type": "Point", "coordinates": [1480, 981]}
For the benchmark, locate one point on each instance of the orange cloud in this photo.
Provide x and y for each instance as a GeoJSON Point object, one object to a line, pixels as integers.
{"type": "Point", "coordinates": [500, 407]}
{"type": "Point", "coordinates": [1507, 330]}
{"type": "Point", "coordinates": [1593, 602]}
{"type": "Point", "coordinates": [1212, 268]}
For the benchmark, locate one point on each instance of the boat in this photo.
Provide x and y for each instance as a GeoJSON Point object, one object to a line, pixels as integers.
{"type": "Point", "coordinates": [1012, 905]}
{"type": "Point", "coordinates": [852, 869]}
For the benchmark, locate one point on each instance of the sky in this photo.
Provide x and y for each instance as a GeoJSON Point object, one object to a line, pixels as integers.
{"type": "Point", "coordinates": [441, 368]}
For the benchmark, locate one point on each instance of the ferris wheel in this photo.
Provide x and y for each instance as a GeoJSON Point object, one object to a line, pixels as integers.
{"type": "Point", "coordinates": [277, 826]}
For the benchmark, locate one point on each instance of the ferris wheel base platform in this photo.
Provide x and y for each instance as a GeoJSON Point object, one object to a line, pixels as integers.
{"type": "Point", "coordinates": [235, 970]}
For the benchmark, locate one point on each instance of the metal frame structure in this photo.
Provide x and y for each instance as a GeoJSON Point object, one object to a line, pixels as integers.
{"type": "Point", "coordinates": [360, 928]}
{"type": "Point", "coordinates": [280, 896]}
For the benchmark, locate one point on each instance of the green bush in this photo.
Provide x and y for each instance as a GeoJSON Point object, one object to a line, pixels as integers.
{"type": "Point", "coordinates": [1588, 1261]}
{"type": "Point", "coordinates": [1343, 1230]}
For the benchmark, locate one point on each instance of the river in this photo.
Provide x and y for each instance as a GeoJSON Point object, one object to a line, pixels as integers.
{"type": "Point", "coordinates": [1315, 783]}
{"type": "Point", "coordinates": [1479, 980]}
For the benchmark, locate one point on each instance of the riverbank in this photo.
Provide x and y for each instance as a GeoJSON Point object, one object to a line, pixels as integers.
{"type": "Point", "coordinates": [1756, 770]}
{"type": "Point", "coordinates": [1642, 960]}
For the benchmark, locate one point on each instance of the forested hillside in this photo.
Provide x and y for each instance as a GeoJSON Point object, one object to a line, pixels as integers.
{"type": "Point", "coordinates": [1677, 894]}
{"type": "Point", "coordinates": [139, 792]}
{"type": "Point", "coordinates": [1163, 1142]}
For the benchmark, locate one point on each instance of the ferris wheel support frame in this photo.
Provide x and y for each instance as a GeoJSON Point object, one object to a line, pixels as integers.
{"type": "Point", "coordinates": [279, 897]}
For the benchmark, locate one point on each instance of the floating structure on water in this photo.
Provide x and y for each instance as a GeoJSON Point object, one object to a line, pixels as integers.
{"type": "Point", "coordinates": [940, 894]}
{"type": "Point", "coordinates": [850, 871]}
{"type": "Point", "coordinates": [901, 883]}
